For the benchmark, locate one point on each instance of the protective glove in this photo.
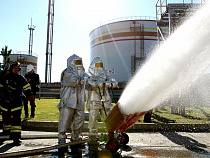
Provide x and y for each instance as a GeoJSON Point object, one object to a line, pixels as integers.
{"type": "Point", "coordinates": [108, 84]}
{"type": "Point", "coordinates": [114, 83]}
{"type": "Point", "coordinates": [31, 98]}
{"type": "Point", "coordinates": [82, 81]}
{"type": "Point", "coordinates": [100, 84]}
{"type": "Point", "coordinates": [92, 83]}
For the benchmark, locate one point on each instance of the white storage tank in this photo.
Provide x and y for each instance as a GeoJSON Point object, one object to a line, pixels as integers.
{"type": "Point", "coordinates": [123, 45]}
{"type": "Point", "coordinates": [24, 60]}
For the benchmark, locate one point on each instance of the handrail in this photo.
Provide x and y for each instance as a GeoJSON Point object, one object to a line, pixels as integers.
{"type": "Point", "coordinates": [23, 53]}
{"type": "Point", "coordinates": [161, 5]}
{"type": "Point", "coordinates": [124, 18]}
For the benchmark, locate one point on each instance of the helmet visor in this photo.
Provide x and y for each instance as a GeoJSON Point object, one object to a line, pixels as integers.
{"type": "Point", "coordinates": [98, 65]}
{"type": "Point", "coordinates": [78, 62]}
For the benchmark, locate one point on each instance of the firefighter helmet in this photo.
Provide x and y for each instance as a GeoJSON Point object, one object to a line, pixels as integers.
{"type": "Point", "coordinates": [30, 68]}
{"type": "Point", "coordinates": [13, 64]}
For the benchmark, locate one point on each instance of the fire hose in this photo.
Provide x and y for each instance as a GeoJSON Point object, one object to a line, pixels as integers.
{"type": "Point", "coordinates": [39, 150]}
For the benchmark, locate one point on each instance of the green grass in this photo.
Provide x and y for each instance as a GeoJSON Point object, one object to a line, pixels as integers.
{"type": "Point", "coordinates": [192, 115]}
{"type": "Point", "coordinates": [46, 110]}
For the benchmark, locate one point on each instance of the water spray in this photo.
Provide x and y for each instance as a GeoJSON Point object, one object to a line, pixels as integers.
{"type": "Point", "coordinates": [172, 67]}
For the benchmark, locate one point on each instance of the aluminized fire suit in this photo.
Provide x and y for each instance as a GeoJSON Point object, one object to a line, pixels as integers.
{"type": "Point", "coordinates": [98, 97]}
{"type": "Point", "coordinates": [71, 104]}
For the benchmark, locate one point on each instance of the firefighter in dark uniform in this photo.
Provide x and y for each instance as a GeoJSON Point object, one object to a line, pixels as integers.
{"type": "Point", "coordinates": [12, 87]}
{"type": "Point", "coordinates": [33, 80]}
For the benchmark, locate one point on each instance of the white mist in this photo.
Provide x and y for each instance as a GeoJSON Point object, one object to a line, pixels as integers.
{"type": "Point", "coordinates": [178, 63]}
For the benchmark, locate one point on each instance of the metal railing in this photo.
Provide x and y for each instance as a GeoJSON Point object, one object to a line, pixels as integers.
{"type": "Point", "coordinates": [124, 19]}
{"type": "Point", "coordinates": [161, 5]}
{"type": "Point", "coordinates": [23, 52]}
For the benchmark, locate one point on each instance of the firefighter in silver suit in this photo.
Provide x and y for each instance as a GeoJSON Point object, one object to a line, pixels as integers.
{"type": "Point", "coordinates": [71, 104]}
{"type": "Point", "coordinates": [98, 100]}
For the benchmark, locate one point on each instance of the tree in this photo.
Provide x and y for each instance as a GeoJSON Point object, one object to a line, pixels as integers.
{"type": "Point", "coordinates": [5, 53]}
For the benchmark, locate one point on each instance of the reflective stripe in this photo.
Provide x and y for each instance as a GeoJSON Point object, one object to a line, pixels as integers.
{"type": "Point", "coordinates": [2, 108]}
{"type": "Point", "coordinates": [16, 129]}
{"type": "Point", "coordinates": [1, 85]}
{"type": "Point", "coordinates": [6, 127]}
{"type": "Point", "coordinates": [12, 87]}
{"type": "Point", "coordinates": [19, 131]}
{"type": "Point", "coordinates": [26, 87]}
{"type": "Point", "coordinates": [17, 108]}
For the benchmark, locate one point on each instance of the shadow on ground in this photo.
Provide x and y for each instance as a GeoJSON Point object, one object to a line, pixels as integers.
{"type": "Point", "coordinates": [187, 142]}
{"type": "Point", "coordinates": [205, 113]}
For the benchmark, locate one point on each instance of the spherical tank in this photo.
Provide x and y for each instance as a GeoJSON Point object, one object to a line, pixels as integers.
{"type": "Point", "coordinates": [123, 46]}
{"type": "Point", "coordinates": [24, 60]}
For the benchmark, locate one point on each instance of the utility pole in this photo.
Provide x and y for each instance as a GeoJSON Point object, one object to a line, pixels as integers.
{"type": "Point", "coordinates": [49, 44]}
{"type": "Point", "coordinates": [31, 28]}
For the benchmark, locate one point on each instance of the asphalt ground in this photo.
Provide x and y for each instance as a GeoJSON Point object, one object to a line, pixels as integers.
{"type": "Point", "coordinates": [146, 140]}
{"type": "Point", "coordinates": [141, 144]}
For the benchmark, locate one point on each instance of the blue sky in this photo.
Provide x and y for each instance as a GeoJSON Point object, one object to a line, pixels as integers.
{"type": "Point", "coordinates": [73, 21]}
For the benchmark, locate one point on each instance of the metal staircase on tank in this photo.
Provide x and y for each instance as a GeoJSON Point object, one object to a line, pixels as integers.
{"type": "Point", "coordinates": [138, 55]}
{"type": "Point", "coordinates": [22, 60]}
{"type": "Point", "coordinates": [171, 15]}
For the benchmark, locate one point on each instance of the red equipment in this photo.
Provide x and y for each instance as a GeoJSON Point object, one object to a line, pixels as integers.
{"type": "Point", "coordinates": [116, 121]}
{"type": "Point", "coordinates": [119, 122]}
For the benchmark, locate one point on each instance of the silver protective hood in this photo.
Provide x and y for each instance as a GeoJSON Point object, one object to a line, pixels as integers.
{"type": "Point", "coordinates": [93, 71]}
{"type": "Point", "coordinates": [71, 62]}
{"type": "Point", "coordinates": [72, 66]}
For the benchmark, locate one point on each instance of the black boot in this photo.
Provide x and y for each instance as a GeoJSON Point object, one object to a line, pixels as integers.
{"type": "Point", "coordinates": [16, 137]}
{"type": "Point", "coordinates": [64, 149]}
{"type": "Point", "coordinates": [5, 133]}
{"type": "Point", "coordinates": [17, 142]}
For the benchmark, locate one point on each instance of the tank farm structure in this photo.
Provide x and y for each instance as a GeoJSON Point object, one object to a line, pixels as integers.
{"type": "Point", "coordinates": [124, 45]}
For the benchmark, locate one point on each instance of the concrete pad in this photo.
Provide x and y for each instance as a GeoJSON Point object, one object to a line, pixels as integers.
{"type": "Point", "coordinates": [140, 144]}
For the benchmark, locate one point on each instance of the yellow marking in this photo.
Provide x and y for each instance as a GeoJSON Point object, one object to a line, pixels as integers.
{"type": "Point", "coordinates": [15, 127]}
{"type": "Point", "coordinates": [12, 87]}
{"type": "Point", "coordinates": [24, 59]}
{"type": "Point", "coordinates": [18, 108]}
{"type": "Point", "coordinates": [146, 28]}
{"type": "Point", "coordinates": [26, 87]}
{"type": "Point", "coordinates": [2, 108]}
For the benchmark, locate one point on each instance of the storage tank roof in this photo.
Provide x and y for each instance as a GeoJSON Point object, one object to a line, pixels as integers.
{"type": "Point", "coordinates": [23, 53]}
{"type": "Point", "coordinates": [150, 18]}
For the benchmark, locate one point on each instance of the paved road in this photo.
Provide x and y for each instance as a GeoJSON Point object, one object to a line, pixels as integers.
{"type": "Point", "coordinates": [158, 144]}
